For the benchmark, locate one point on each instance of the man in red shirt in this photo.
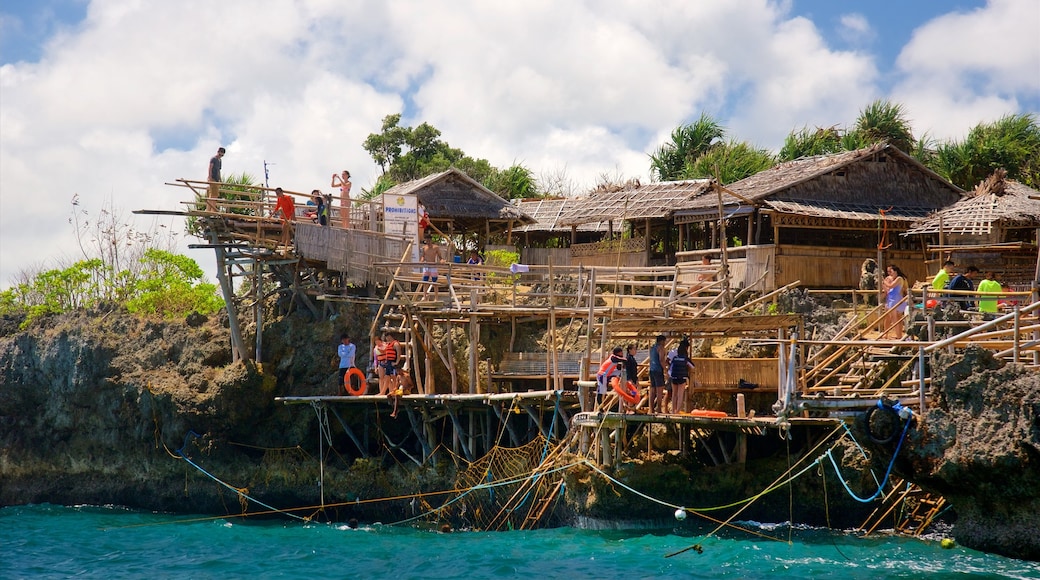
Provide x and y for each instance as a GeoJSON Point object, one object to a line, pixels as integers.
{"type": "Point", "coordinates": [284, 206]}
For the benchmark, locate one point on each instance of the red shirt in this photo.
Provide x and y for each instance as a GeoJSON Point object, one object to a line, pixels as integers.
{"type": "Point", "coordinates": [287, 207]}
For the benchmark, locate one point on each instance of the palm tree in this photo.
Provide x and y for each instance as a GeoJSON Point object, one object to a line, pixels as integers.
{"type": "Point", "coordinates": [733, 161]}
{"type": "Point", "coordinates": [1011, 143]}
{"type": "Point", "coordinates": [810, 142]}
{"type": "Point", "coordinates": [688, 142]}
{"type": "Point", "coordinates": [884, 121]}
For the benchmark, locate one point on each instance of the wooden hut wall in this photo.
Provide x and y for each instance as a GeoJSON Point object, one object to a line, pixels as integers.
{"type": "Point", "coordinates": [882, 180]}
{"type": "Point", "coordinates": [559, 256]}
{"type": "Point", "coordinates": [827, 267]}
{"type": "Point", "coordinates": [352, 252]}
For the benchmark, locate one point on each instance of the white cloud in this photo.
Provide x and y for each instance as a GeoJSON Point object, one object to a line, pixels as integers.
{"type": "Point", "coordinates": [855, 29]}
{"type": "Point", "coordinates": [142, 93]}
{"type": "Point", "coordinates": [964, 68]}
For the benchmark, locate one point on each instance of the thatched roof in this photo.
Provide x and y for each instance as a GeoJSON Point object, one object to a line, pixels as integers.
{"type": "Point", "coordinates": [848, 185]}
{"type": "Point", "coordinates": [454, 196]}
{"type": "Point", "coordinates": [996, 201]}
{"type": "Point", "coordinates": [633, 201]}
{"type": "Point", "coordinates": [547, 213]}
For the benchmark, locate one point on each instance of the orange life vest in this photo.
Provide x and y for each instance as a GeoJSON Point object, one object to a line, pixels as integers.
{"type": "Point", "coordinates": [390, 351]}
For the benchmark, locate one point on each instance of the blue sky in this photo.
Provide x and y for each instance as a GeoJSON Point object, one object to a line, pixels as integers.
{"type": "Point", "coordinates": [110, 99]}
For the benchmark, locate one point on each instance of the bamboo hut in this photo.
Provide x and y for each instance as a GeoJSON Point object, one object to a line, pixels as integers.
{"type": "Point", "coordinates": [817, 219]}
{"type": "Point", "coordinates": [646, 210]}
{"type": "Point", "coordinates": [457, 204]}
{"type": "Point", "coordinates": [994, 228]}
{"type": "Point", "coordinates": [547, 238]}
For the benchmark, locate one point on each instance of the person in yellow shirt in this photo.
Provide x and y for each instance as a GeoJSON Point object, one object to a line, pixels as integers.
{"type": "Point", "coordinates": [943, 276]}
{"type": "Point", "coordinates": [989, 286]}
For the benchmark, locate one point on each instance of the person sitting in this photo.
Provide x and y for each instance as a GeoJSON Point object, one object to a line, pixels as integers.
{"type": "Point", "coordinates": [475, 260]}
{"type": "Point", "coordinates": [965, 282]}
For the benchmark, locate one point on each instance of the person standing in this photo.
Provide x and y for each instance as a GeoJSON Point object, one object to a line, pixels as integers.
{"type": "Point", "coordinates": [680, 368]}
{"type": "Point", "coordinates": [430, 254]}
{"type": "Point", "coordinates": [657, 385]}
{"type": "Point", "coordinates": [284, 205]}
{"type": "Point", "coordinates": [943, 275]}
{"type": "Point", "coordinates": [342, 181]}
{"type": "Point", "coordinates": [213, 176]}
{"type": "Point", "coordinates": [965, 282]}
{"type": "Point", "coordinates": [895, 287]}
{"type": "Point", "coordinates": [391, 352]}
{"type": "Point", "coordinates": [346, 352]}
{"type": "Point", "coordinates": [608, 370]}
{"type": "Point", "coordinates": [989, 285]}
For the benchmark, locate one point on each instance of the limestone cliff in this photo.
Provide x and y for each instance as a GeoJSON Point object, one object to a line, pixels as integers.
{"type": "Point", "coordinates": [978, 445]}
{"type": "Point", "coordinates": [93, 408]}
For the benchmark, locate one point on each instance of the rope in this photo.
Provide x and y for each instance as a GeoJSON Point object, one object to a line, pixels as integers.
{"type": "Point", "coordinates": [888, 472]}
{"type": "Point", "coordinates": [240, 492]}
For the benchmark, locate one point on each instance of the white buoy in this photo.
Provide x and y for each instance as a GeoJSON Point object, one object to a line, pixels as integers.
{"type": "Point", "coordinates": [680, 514]}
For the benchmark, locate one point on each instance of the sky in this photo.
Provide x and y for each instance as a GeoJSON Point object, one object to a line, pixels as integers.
{"type": "Point", "coordinates": [105, 101]}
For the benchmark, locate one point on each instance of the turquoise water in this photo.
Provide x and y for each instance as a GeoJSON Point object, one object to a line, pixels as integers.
{"type": "Point", "coordinates": [95, 542]}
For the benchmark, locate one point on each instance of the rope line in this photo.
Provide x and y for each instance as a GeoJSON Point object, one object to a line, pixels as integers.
{"type": "Point", "coordinates": [241, 494]}
{"type": "Point", "coordinates": [888, 472]}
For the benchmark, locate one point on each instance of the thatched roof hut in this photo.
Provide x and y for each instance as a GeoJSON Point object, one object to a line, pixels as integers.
{"type": "Point", "coordinates": [848, 186]}
{"type": "Point", "coordinates": [455, 201]}
{"type": "Point", "coordinates": [547, 213]}
{"type": "Point", "coordinates": [996, 205]}
{"type": "Point", "coordinates": [633, 202]}
{"type": "Point", "coordinates": [993, 228]}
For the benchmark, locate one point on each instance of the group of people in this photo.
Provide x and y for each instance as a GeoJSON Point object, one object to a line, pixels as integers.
{"type": "Point", "coordinates": [946, 279]}
{"type": "Point", "coordinates": [896, 290]}
{"type": "Point", "coordinates": [284, 207]}
{"type": "Point", "coordinates": [671, 372]}
{"type": "Point", "coordinates": [387, 363]}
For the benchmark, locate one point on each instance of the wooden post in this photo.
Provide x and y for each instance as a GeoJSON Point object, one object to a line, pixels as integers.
{"type": "Point", "coordinates": [474, 338]}
{"type": "Point", "coordinates": [238, 347]}
{"type": "Point", "coordinates": [258, 308]}
{"type": "Point", "coordinates": [431, 386]}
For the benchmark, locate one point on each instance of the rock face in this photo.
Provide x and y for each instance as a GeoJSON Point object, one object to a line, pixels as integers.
{"type": "Point", "coordinates": [979, 447]}
{"type": "Point", "coordinates": [93, 409]}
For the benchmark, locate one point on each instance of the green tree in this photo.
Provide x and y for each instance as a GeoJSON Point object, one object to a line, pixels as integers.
{"type": "Point", "coordinates": [514, 182]}
{"type": "Point", "coordinates": [811, 142]}
{"type": "Point", "coordinates": [172, 287]}
{"type": "Point", "coordinates": [386, 146]}
{"type": "Point", "coordinates": [1011, 142]}
{"type": "Point", "coordinates": [407, 153]}
{"type": "Point", "coordinates": [733, 160]}
{"type": "Point", "coordinates": [884, 121]}
{"type": "Point", "coordinates": [688, 142]}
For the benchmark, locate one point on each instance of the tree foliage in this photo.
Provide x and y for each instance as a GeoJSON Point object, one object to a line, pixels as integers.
{"type": "Point", "coordinates": [699, 150]}
{"type": "Point", "coordinates": [1011, 142]}
{"type": "Point", "coordinates": [408, 153]}
{"type": "Point", "coordinates": [879, 122]}
{"type": "Point", "coordinates": [688, 142]}
{"type": "Point", "coordinates": [122, 266]}
{"type": "Point", "coordinates": [884, 121]}
{"type": "Point", "coordinates": [172, 287]}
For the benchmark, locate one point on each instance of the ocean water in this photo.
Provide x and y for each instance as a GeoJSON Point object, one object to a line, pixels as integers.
{"type": "Point", "coordinates": [45, 541]}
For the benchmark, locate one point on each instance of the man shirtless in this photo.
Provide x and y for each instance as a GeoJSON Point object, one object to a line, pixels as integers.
{"type": "Point", "coordinates": [430, 254]}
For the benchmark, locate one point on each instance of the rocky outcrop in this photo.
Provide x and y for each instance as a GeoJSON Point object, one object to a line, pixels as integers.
{"type": "Point", "coordinates": [978, 445]}
{"type": "Point", "coordinates": [94, 408]}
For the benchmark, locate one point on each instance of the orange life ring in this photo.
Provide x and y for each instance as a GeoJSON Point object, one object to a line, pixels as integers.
{"type": "Point", "coordinates": [362, 382]}
{"type": "Point", "coordinates": [707, 413]}
{"type": "Point", "coordinates": [630, 394]}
